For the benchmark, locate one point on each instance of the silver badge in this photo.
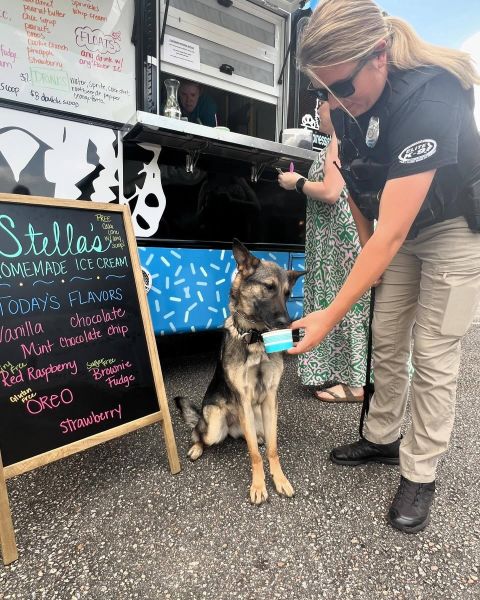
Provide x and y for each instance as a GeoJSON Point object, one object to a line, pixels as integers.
{"type": "Point", "coordinates": [373, 132]}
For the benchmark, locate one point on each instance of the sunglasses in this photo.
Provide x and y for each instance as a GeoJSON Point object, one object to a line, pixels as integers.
{"type": "Point", "coordinates": [341, 89]}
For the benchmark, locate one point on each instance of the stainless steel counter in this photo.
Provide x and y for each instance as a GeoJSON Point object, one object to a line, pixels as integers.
{"type": "Point", "coordinates": [198, 140]}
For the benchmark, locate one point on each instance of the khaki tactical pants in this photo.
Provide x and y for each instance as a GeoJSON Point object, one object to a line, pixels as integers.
{"type": "Point", "coordinates": [429, 293]}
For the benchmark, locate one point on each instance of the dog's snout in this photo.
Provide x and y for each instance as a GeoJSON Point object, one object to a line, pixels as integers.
{"type": "Point", "coordinates": [282, 321]}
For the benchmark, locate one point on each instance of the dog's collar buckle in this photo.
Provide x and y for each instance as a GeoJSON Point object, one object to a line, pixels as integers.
{"type": "Point", "coordinates": [252, 336]}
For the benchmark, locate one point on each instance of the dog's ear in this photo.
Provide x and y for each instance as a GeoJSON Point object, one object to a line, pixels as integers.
{"type": "Point", "coordinates": [293, 276]}
{"type": "Point", "coordinates": [246, 261]}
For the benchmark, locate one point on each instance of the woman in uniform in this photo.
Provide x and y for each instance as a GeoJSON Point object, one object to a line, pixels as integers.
{"type": "Point", "coordinates": [410, 156]}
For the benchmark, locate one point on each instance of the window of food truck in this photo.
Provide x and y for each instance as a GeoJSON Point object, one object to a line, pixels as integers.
{"type": "Point", "coordinates": [207, 105]}
{"type": "Point", "coordinates": [238, 45]}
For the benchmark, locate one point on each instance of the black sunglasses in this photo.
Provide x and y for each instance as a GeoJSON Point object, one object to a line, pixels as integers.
{"type": "Point", "coordinates": [341, 89]}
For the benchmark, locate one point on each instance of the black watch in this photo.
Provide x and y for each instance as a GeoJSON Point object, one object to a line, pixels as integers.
{"type": "Point", "coordinates": [299, 184]}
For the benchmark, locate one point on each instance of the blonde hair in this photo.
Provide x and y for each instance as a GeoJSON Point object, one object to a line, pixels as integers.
{"type": "Point", "coordinates": [340, 31]}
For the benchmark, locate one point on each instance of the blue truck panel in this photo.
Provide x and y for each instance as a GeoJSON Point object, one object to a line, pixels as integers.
{"type": "Point", "coordinates": [190, 287]}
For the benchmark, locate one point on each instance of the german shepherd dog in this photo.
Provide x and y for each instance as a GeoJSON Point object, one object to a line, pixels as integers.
{"type": "Point", "coordinates": [241, 399]}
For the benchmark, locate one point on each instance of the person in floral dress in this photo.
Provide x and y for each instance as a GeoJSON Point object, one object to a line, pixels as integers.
{"type": "Point", "coordinates": [336, 368]}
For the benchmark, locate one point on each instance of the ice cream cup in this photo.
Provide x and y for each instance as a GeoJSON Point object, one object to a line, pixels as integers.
{"type": "Point", "coordinates": [278, 340]}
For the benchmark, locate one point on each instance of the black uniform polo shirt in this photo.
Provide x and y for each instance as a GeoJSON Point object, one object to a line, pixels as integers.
{"type": "Point", "coordinates": [433, 129]}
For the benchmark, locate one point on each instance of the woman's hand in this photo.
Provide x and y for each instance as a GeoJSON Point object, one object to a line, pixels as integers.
{"type": "Point", "coordinates": [288, 180]}
{"type": "Point", "coordinates": [317, 325]}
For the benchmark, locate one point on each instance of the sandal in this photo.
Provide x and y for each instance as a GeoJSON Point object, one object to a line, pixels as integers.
{"type": "Point", "coordinates": [322, 387]}
{"type": "Point", "coordinates": [348, 398]}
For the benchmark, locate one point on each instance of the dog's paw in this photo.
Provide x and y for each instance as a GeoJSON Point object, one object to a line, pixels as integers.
{"type": "Point", "coordinates": [195, 451]}
{"type": "Point", "coordinates": [283, 486]}
{"type": "Point", "coordinates": [258, 493]}
{"type": "Point", "coordinates": [260, 440]}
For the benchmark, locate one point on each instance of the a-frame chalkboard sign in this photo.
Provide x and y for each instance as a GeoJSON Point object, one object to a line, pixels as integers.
{"type": "Point", "coordinates": [78, 359]}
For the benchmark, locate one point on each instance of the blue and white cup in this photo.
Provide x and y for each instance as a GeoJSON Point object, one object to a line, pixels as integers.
{"type": "Point", "coordinates": [278, 340]}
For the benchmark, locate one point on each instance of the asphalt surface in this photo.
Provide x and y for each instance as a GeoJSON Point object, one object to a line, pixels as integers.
{"type": "Point", "coordinates": [113, 523]}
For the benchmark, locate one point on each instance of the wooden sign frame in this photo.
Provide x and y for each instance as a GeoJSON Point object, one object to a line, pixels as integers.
{"type": "Point", "coordinates": [7, 535]}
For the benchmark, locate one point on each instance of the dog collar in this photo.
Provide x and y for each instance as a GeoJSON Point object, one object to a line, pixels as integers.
{"type": "Point", "coordinates": [252, 336]}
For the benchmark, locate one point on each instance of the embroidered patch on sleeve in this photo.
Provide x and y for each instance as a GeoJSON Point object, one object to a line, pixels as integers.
{"type": "Point", "coordinates": [418, 151]}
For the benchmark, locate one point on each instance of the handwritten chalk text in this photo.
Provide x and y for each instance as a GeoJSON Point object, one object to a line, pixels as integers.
{"type": "Point", "coordinates": [60, 241]}
{"type": "Point", "coordinates": [36, 405]}
{"type": "Point", "coordinates": [70, 425]}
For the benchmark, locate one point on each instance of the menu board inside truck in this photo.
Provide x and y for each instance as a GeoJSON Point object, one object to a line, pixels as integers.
{"type": "Point", "coordinates": [74, 56]}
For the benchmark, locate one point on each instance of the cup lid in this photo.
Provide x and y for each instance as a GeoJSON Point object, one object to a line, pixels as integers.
{"type": "Point", "coordinates": [277, 333]}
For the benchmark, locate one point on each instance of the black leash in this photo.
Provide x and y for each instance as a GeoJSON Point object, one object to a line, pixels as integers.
{"type": "Point", "coordinates": [369, 387]}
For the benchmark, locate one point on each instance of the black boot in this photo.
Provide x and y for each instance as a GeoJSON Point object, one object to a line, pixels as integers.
{"type": "Point", "coordinates": [363, 451]}
{"type": "Point", "coordinates": [410, 510]}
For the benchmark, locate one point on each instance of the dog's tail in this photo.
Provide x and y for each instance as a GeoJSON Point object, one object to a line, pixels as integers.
{"type": "Point", "coordinates": [190, 413]}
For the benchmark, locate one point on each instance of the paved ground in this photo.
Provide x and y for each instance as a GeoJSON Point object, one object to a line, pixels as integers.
{"type": "Point", "coordinates": [112, 523]}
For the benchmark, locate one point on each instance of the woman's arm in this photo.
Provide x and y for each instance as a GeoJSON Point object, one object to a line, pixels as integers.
{"type": "Point", "coordinates": [401, 201]}
{"type": "Point", "coordinates": [329, 189]}
{"type": "Point", "coordinates": [364, 226]}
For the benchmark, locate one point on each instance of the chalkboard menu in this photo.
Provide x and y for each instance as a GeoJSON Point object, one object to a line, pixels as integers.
{"type": "Point", "coordinates": [75, 357]}
{"type": "Point", "coordinates": [69, 55]}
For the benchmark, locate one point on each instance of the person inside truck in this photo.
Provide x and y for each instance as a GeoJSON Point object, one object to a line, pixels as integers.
{"type": "Point", "coordinates": [197, 106]}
